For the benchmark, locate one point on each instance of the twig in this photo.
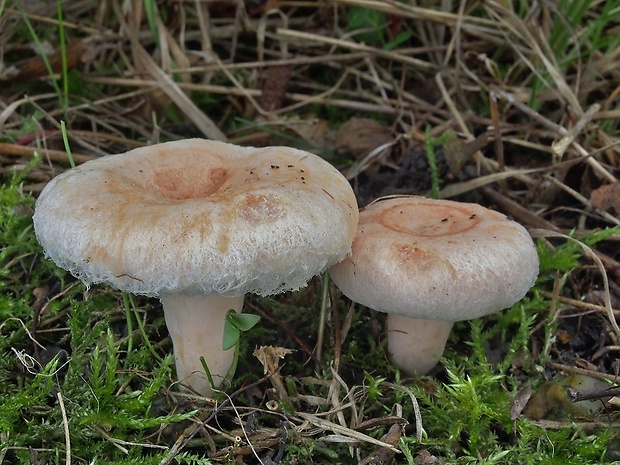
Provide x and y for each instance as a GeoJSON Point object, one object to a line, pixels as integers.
{"type": "Point", "coordinates": [582, 371]}
{"type": "Point", "coordinates": [587, 426]}
{"type": "Point", "coordinates": [592, 394]}
{"type": "Point", "coordinates": [580, 303]}
{"type": "Point", "coordinates": [58, 156]}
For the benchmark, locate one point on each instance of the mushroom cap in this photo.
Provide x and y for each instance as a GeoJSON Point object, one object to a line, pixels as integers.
{"type": "Point", "coordinates": [198, 216]}
{"type": "Point", "coordinates": [437, 260]}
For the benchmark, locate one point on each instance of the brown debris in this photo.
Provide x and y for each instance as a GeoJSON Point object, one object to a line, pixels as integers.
{"type": "Point", "coordinates": [31, 69]}
{"type": "Point", "coordinates": [424, 457]}
{"type": "Point", "coordinates": [274, 88]}
{"type": "Point", "coordinates": [360, 136]}
{"type": "Point", "coordinates": [607, 198]}
{"type": "Point", "coordinates": [384, 455]}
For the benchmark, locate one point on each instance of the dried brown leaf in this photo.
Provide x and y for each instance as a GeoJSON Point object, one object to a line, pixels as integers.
{"type": "Point", "coordinates": [359, 136]}
{"type": "Point", "coordinates": [607, 198]}
{"type": "Point", "coordinates": [270, 357]}
{"type": "Point", "coordinates": [31, 69]}
{"type": "Point", "coordinates": [312, 130]}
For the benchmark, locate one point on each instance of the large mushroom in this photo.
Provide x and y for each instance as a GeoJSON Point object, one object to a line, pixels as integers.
{"type": "Point", "coordinates": [429, 263]}
{"type": "Point", "coordinates": [198, 223]}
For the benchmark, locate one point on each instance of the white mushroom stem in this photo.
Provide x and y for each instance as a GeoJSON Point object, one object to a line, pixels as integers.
{"type": "Point", "coordinates": [196, 326]}
{"type": "Point", "coordinates": [415, 345]}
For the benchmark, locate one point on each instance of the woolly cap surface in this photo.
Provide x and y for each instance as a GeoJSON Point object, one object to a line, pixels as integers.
{"type": "Point", "coordinates": [198, 216]}
{"type": "Point", "coordinates": [437, 260]}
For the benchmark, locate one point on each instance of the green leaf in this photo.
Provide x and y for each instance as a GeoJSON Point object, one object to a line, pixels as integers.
{"type": "Point", "coordinates": [231, 335]}
{"type": "Point", "coordinates": [403, 36]}
{"type": "Point", "coordinates": [243, 321]}
{"type": "Point", "coordinates": [235, 323]}
{"type": "Point", "coordinates": [369, 25]}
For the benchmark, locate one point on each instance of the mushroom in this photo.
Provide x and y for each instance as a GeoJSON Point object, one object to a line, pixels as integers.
{"type": "Point", "coordinates": [198, 223]}
{"type": "Point", "coordinates": [429, 263]}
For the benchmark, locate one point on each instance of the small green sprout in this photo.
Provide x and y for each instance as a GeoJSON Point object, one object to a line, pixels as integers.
{"type": "Point", "coordinates": [235, 324]}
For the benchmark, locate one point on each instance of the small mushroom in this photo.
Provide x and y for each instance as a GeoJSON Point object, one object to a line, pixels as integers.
{"type": "Point", "coordinates": [429, 263]}
{"type": "Point", "coordinates": [198, 223]}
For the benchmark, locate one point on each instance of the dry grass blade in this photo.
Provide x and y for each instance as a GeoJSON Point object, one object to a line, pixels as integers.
{"type": "Point", "coordinates": [169, 86]}
{"type": "Point", "coordinates": [165, 83]}
{"type": "Point", "coordinates": [304, 36]}
{"type": "Point", "coordinates": [457, 189]}
{"type": "Point", "coordinates": [516, 211]}
{"type": "Point", "coordinates": [12, 107]}
{"type": "Point", "coordinates": [590, 253]}
{"type": "Point", "coordinates": [413, 12]}
{"type": "Point", "coordinates": [66, 431]}
{"type": "Point", "coordinates": [344, 431]}
{"type": "Point", "coordinates": [559, 147]}
{"type": "Point", "coordinates": [567, 137]}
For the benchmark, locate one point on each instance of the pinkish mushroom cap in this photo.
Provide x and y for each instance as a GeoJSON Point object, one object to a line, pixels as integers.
{"type": "Point", "coordinates": [435, 260]}
{"type": "Point", "coordinates": [194, 220]}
